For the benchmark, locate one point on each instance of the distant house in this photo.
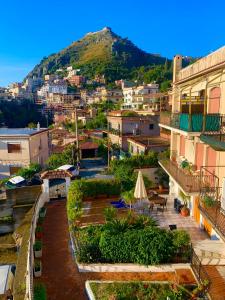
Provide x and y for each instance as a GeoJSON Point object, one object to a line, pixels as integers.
{"type": "Point", "coordinates": [20, 147]}
{"type": "Point", "coordinates": [134, 97]}
{"type": "Point", "coordinates": [144, 144]}
{"type": "Point", "coordinates": [124, 124]}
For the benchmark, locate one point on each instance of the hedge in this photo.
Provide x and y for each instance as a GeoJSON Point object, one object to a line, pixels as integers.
{"type": "Point", "coordinates": [80, 189]}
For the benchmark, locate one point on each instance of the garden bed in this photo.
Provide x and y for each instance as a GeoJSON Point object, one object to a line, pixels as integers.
{"type": "Point", "coordinates": [130, 240]}
{"type": "Point", "coordinates": [97, 290]}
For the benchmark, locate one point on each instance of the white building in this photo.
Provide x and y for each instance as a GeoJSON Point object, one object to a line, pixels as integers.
{"type": "Point", "coordinates": [134, 96]}
{"type": "Point", "coordinates": [55, 88]}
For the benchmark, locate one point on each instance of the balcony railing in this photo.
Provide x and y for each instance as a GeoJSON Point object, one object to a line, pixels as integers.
{"type": "Point", "coordinates": [120, 133]}
{"type": "Point", "coordinates": [193, 122]}
{"type": "Point", "coordinates": [190, 183]}
{"type": "Point", "coordinates": [210, 200]}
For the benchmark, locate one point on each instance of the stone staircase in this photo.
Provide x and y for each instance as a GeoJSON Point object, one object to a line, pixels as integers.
{"type": "Point", "coordinates": [210, 252]}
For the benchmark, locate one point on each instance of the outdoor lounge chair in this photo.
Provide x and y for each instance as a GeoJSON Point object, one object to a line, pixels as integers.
{"type": "Point", "coordinates": [117, 202]}
{"type": "Point", "coordinates": [121, 205]}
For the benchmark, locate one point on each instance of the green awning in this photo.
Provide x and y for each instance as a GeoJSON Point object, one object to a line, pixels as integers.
{"type": "Point", "coordinates": [217, 142]}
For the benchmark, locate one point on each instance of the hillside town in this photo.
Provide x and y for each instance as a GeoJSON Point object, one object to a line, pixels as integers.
{"type": "Point", "coordinates": [116, 188]}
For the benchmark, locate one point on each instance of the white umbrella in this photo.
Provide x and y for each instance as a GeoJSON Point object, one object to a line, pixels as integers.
{"type": "Point", "coordinates": [140, 190]}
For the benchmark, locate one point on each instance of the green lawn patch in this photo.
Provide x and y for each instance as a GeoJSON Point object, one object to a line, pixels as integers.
{"type": "Point", "coordinates": [139, 290]}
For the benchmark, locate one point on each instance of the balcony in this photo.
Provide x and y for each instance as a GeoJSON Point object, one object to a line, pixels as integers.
{"type": "Point", "coordinates": [120, 133]}
{"type": "Point", "coordinates": [210, 201]}
{"type": "Point", "coordinates": [186, 179]}
{"type": "Point", "coordinates": [195, 123]}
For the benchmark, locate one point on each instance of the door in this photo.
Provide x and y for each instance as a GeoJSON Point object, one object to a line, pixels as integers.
{"type": "Point", "coordinates": [196, 210]}
{"type": "Point", "coordinates": [214, 100]}
{"type": "Point", "coordinates": [207, 227]}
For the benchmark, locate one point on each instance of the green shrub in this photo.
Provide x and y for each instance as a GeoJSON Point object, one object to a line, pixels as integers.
{"type": "Point", "coordinates": [40, 291]}
{"type": "Point", "coordinates": [110, 213]}
{"type": "Point", "coordinates": [208, 201]}
{"type": "Point", "coordinates": [80, 189]}
{"type": "Point", "coordinates": [181, 238]}
{"type": "Point", "coordinates": [37, 245]}
{"type": "Point", "coordinates": [129, 240]}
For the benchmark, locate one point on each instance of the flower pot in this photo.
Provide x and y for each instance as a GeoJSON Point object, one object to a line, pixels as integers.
{"type": "Point", "coordinates": [185, 212]}
{"type": "Point", "coordinates": [38, 271]}
{"type": "Point", "coordinates": [42, 213]}
{"type": "Point", "coordinates": [160, 188]}
{"type": "Point", "coordinates": [38, 253]}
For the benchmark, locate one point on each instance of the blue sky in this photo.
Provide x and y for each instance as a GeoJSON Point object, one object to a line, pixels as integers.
{"type": "Point", "coordinates": [30, 29]}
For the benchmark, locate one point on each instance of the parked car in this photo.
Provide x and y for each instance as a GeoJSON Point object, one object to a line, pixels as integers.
{"type": "Point", "coordinates": [16, 181]}
{"type": "Point", "coordinates": [71, 168]}
{"type": "Point", "coordinates": [7, 274]}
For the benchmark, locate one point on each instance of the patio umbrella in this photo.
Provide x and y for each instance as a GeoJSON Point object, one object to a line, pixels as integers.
{"type": "Point", "coordinates": [140, 190]}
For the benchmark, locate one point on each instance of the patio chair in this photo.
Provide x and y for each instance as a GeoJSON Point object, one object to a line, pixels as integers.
{"type": "Point", "coordinates": [160, 209]}
{"type": "Point", "coordinates": [117, 202]}
{"type": "Point", "coordinates": [151, 207]}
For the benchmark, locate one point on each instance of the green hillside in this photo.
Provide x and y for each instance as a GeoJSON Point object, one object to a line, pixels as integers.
{"type": "Point", "coordinates": [99, 53]}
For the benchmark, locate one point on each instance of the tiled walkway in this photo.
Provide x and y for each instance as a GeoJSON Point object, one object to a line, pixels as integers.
{"type": "Point", "coordinates": [169, 216]}
{"type": "Point", "coordinates": [60, 275]}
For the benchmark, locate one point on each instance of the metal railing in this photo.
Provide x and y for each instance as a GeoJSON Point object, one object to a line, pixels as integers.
{"type": "Point", "coordinates": [190, 183]}
{"type": "Point", "coordinates": [196, 122]}
{"type": "Point", "coordinates": [210, 199]}
{"type": "Point", "coordinates": [200, 273]}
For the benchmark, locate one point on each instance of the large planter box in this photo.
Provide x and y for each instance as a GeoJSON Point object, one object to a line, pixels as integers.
{"type": "Point", "coordinates": [39, 272]}
{"type": "Point", "coordinates": [38, 254]}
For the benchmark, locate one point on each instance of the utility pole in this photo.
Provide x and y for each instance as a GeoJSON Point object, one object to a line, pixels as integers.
{"type": "Point", "coordinates": [76, 133]}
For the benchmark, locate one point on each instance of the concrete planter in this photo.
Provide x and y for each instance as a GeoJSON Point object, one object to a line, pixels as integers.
{"type": "Point", "coordinates": [38, 254]}
{"type": "Point", "coordinates": [38, 271]}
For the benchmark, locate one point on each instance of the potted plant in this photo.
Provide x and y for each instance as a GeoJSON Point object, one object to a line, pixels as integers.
{"type": "Point", "coordinates": [129, 198]}
{"type": "Point", "coordinates": [37, 268]}
{"type": "Point", "coordinates": [37, 249]}
{"type": "Point", "coordinates": [38, 232]}
{"type": "Point", "coordinates": [42, 212]}
{"type": "Point", "coordinates": [185, 211]}
{"type": "Point", "coordinates": [208, 201]}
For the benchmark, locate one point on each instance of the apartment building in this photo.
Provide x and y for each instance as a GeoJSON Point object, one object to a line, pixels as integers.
{"type": "Point", "coordinates": [76, 80]}
{"type": "Point", "coordinates": [20, 147]}
{"type": "Point", "coordinates": [123, 124]}
{"type": "Point", "coordinates": [134, 97]}
{"type": "Point", "coordinates": [197, 125]}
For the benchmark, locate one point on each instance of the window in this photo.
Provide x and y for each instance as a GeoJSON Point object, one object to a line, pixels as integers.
{"type": "Point", "coordinates": [151, 126]}
{"type": "Point", "coordinates": [13, 170]}
{"type": "Point", "coordinates": [14, 148]}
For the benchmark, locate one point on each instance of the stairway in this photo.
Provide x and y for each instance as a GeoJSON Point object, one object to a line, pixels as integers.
{"type": "Point", "coordinates": [210, 252]}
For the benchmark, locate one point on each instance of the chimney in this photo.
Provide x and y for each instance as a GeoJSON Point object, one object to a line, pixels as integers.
{"type": "Point", "coordinates": [177, 66]}
{"type": "Point", "coordinates": [38, 126]}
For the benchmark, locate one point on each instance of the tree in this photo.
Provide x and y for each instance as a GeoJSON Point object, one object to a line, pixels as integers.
{"type": "Point", "coordinates": [66, 157]}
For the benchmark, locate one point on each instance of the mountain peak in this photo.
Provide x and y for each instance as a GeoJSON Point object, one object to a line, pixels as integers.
{"type": "Point", "coordinates": [101, 52]}
{"type": "Point", "coordinates": [103, 30]}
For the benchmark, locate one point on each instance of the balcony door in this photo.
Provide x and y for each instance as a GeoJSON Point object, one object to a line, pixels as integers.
{"type": "Point", "coordinates": [214, 100]}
